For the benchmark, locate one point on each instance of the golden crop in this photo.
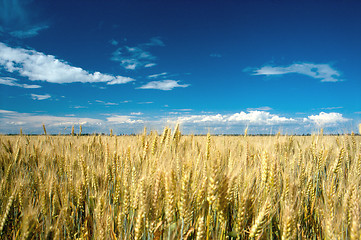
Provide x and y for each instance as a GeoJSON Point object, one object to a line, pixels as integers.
{"type": "Point", "coordinates": [171, 186]}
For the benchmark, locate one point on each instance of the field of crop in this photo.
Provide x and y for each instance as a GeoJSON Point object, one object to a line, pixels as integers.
{"type": "Point", "coordinates": [170, 186]}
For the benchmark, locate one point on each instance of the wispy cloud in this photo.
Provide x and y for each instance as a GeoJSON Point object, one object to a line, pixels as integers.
{"type": "Point", "coordinates": [114, 42]}
{"type": "Point", "coordinates": [158, 75]}
{"type": "Point", "coordinates": [132, 58]}
{"type": "Point", "coordinates": [154, 42]}
{"type": "Point", "coordinates": [13, 82]}
{"type": "Point", "coordinates": [40, 97]}
{"type": "Point", "coordinates": [106, 103]}
{"type": "Point", "coordinates": [145, 102]}
{"type": "Point", "coordinates": [12, 11]}
{"type": "Point", "coordinates": [323, 72]}
{"type": "Point", "coordinates": [136, 113]}
{"type": "Point", "coordinates": [184, 109]}
{"type": "Point", "coordinates": [40, 67]}
{"type": "Point", "coordinates": [148, 65]}
{"type": "Point", "coordinates": [331, 108]}
{"type": "Point", "coordinates": [17, 20]}
{"type": "Point", "coordinates": [164, 85]}
{"type": "Point", "coordinates": [31, 32]}
{"type": "Point", "coordinates": [326, 119]}
{"type": "Point", "coordinates": [215, 55]}
{"type": "Point", "coordinates": [79, 107]}
{"type": "Point", "coordinates": [265, 108]}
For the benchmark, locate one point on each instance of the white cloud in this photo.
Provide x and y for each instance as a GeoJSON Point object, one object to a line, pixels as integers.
{"type": "Point", "coordinates": [150, 65]}
{"type": "Point", "coordinates": [252, 118]}
{"type": "Point", "coordinates": [120, 80]}
{"type": "Point", "coordinates": [326, 119]}
{"type": "Point", "coordinates": [260, 117]}
{"type": "Point", "coordinates": [331, 108]}
{"type": "Point", "coordinates": [136, 113]}
{"type": "Point", "coordinates": [31, 32]}
{"type": "Point", "coordinates": [79, 107]}
{"type": "Point", "coordinates": [324, 72]}
{"type": "Point", "coordinates": [218, 118]}
{"type": "Point", "coordinates": [12, 121]}
{"type": "Point", "coordinates": [265, 108]}
{"type": "Point", "coordinates": [158, 75]}
{"type": "Point", "coordinates": [117, 119]}
{"type": "Point", "coordinates": [106, 103]}
{"type": "Point", "coordinates": [40, 67]}
{"type": "Point", "coordinates": [145, 102]}
{"type": "Point", "coordinates": [40, 97]}
{"type": "Point", "coordinates": [132, 58]}
{"type": "Point", "coordinates": [13, 82]}
{"type": "Point", "coordinates": [184, 109]}
{"type": "Point", "coordinates": [257, 121]}
{"type": "Point", "coordinates": [165, 85]}
{"type": "Point", "coordinates": [12, 118]}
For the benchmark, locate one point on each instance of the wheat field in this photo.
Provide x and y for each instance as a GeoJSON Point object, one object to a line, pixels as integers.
{"type": "Point", "coordinates": [169, 186]}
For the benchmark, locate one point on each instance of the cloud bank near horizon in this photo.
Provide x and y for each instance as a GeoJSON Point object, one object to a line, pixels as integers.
{"type": "Point", "coordinates": [257, 121]}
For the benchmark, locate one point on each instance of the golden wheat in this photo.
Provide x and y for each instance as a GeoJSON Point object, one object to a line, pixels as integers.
{"type": "Point", "coordinates": [173, 186]}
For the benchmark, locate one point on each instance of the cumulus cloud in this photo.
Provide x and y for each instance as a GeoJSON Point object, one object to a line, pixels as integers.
{"type": "Point", "coordinates": [260, 117]}
{"type": "Point", "coordinates": [164, 85]}
{"type": "Point", "coordinates": [257, 121]}
{"type": "Point", "coordinates": [324, 72]}
{"type": "Point", "coordinates": [40, 67]}
{"type": "Point", "coordinates": [326, 119]}
{"type": "Point", "coordinates": [120, 80]}
{"type": "Point", "coordinates": [118, 119]}
{"type": "Point", "coordinates": [13, 82]}
{"type": "Point", "coordinates": [40, 97]}
{"type": "Point", "coordinates": [132, 58]}
{"type": "Point", "coordinates": [251, 118]}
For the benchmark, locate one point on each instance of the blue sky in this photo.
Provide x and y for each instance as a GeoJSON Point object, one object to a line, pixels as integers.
{"type": "Point", "coordinates": [217, 66]}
